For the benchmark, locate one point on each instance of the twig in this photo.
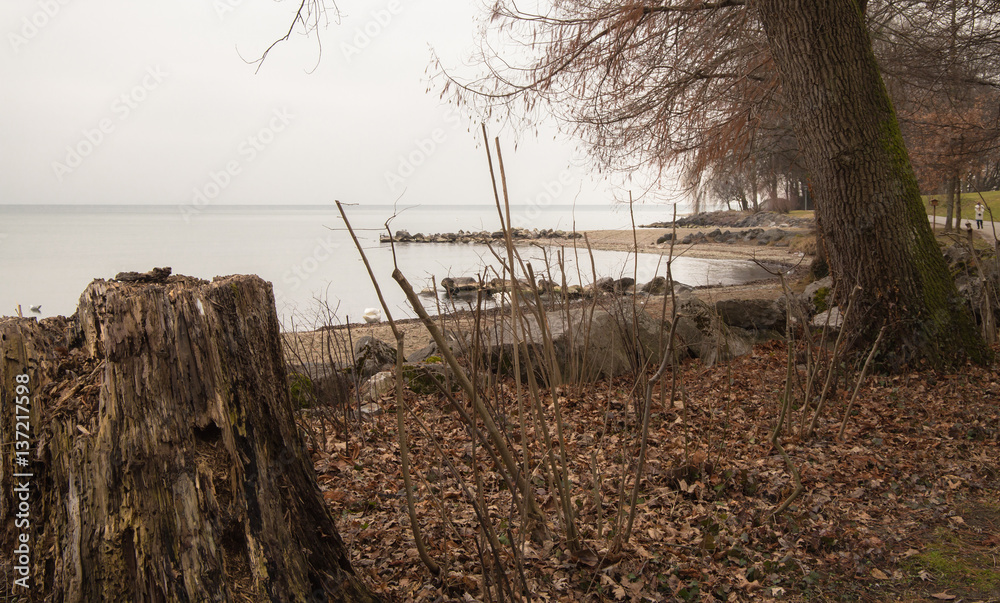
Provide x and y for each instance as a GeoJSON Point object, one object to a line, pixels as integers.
{"type": "Point", "coordinates": [833, 361]}
{"type": "Point", "coordinates": [795, 477]}
{"type": "Point", "coordinates": [861, 378]}
{"type": "Point", "coordinates": [404, 455]}
{"type": "Point", "coordinates": [496, 437]}
{"type": "Point", "coordinates": [668, 358]}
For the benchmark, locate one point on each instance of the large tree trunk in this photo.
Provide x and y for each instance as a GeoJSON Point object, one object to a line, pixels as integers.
{"type": "Point", "coordinates": [868, 203]}
{"type": "Point", "coordinates": [168, 466]}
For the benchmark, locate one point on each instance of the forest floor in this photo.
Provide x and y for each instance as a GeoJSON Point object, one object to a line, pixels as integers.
{"type": "Point", "coordinates": [905, 508]}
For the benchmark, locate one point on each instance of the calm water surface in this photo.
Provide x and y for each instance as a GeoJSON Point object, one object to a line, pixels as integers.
{"type": "Point", "coordinates": [49, 254]}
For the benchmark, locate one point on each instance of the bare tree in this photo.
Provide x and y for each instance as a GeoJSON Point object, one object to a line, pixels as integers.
{"type": "Point", "coordinates": [937, 59]}
{"type": "Point", "coordinates": [647, 83]}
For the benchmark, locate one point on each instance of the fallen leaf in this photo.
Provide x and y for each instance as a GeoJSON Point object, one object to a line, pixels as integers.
{"type": "Point", "coordinates": [942, 596]}
{"type": "Point", "coordinates": [879, 574]}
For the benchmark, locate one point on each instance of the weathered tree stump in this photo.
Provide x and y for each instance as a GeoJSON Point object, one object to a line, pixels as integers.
{"type": "Point", "coordinates": [169, 466]}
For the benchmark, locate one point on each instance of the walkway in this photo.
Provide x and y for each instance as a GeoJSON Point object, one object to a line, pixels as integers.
{"type": "Point", "coordinates": [990, 232]}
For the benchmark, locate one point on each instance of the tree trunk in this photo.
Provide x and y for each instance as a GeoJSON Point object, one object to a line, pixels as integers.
{"type": "Point", "coordinates": [868, 202]}
{"type": "Point", "coordinates": [168, 466]}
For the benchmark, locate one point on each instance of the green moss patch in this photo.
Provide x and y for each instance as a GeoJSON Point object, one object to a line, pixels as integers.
{"type": "Point", "coordinates": [961, 558]}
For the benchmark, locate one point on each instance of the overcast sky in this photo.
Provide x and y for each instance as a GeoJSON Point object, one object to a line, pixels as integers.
{"type": "Point", "coordinates": [142, 102]}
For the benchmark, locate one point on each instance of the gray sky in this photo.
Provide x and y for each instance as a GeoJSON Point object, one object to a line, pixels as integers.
{"type": "Point", "coordinates": [141, 102]}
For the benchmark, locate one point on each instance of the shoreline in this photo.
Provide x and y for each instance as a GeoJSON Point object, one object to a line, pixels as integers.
{"type": "Point", "coordinates": [643, 240]}
{"type": "Point", "coordinates": [708, 241]}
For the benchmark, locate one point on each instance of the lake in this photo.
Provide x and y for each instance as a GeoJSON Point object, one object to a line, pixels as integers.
{"type": "Point", "coordinates": [48, 254]}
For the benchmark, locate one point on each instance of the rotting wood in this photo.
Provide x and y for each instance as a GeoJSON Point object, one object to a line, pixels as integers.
{"type": "Point", "coordinates": [169, 466]}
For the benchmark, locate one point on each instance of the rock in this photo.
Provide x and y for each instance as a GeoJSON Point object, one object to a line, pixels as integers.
{"type": "Point", "coordinates": [317, 384]}
{"type": "Point", "coordinates": [665, 238]}
{"type": "Point", "coordinates": [378, 385]}
{"type": "Point", "coordinates": [705, 335]}
{"type": "Point", "coordinates": [591, 344]}
{"type": "Point", "coordinates": [459, 284]}
{"type": "Point", "coordinates": [816, 295]}
{"type": "Point", "coordinates": [605, 284]}
{"type": "Point", "coordinates": [623, 284]}
{"type": "Point", "coordinates": [752, 314]}
{"type": "Point", "coordinates": [370, 410]}
{"type": "Point", "coordinates": [833, 314]}
{"type": "Point", "coordinates": [657, 286]}
{"type": "Point", "coordinates": [426, 353]}
{"type": "Point", "coordinates": [546, 286]}
{"type": "Point", "coordinates": [428, 377]}
{"type": "Point", "coordinates": [372, 355]}
{"type": "Point", "coordinates": [773, 234]}
{"type": "Point", "coordinates": [681, 288]}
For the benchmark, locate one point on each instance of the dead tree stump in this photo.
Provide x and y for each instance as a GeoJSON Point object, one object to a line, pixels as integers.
{"type": "Point", "coordinates": [168, 466]}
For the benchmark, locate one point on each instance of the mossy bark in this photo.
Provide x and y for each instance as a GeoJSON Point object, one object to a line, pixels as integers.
{"type": "Point", "coordinates": [169, 466]}
{"type": "Point", "coordinates": [868, 205]}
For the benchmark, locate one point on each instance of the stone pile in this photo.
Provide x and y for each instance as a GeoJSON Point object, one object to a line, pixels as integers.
{"type": "Point", "coordinates": [482, 236]}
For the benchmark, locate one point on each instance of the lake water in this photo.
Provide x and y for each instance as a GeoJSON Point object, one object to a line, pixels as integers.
{"type": "Point", "coordinates": [48, 254]}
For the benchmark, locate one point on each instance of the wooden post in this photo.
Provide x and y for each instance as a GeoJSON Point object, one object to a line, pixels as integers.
{"type": "Point", "coordinates": [934, 204]}
{"type": "Point", "coordinates": [168, 466]}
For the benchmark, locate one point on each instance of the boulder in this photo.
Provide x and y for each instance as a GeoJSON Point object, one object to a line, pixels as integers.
{"type": "Point", "coordinates": [705, 335]}
{"type": "Point", "coordinates": [319, 384]}
{"type": "Point", "coordinates": [378, 385]}
{"type": "Point", "coordinates": [459, 284]}
{"type": "Point", "coordinates": [605, 284]}
{"type": "Point", "coordinates": [546, 286]}
{"type": "Point", "coordinates": [589, 344]}
{"type": "Point", "coordinates": [832, 315]}
{"type": "Point", "coordinates": [752, 314]}
{"type": "Point", "coordinates": [623, 284]}
{"type": "Point", "coordinates": [816, 295]}
{"type": "Point", "coordinates": [657, 286]}
{"type": "Point", "coordinates": [431, 351]}
{"type": "Point", "coordinates": [372, 355]}
{"type": "Point", "coordinates": [425, 378]}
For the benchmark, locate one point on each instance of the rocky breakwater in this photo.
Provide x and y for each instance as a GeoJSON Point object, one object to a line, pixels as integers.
{"type": "Point", "coordinates": [762, 228]}
{"type": "Point", "coordinates": [467, 285]}
{"type": "Point", "coordinates": [753, 236]}
{"type": "Point", "coordinates": [482, 237]}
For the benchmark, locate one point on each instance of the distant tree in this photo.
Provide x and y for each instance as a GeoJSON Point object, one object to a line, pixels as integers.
{"type": "Point", "coordinates": [939, 63]}
{"type": "Point", "coordinates": [648, 82]}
